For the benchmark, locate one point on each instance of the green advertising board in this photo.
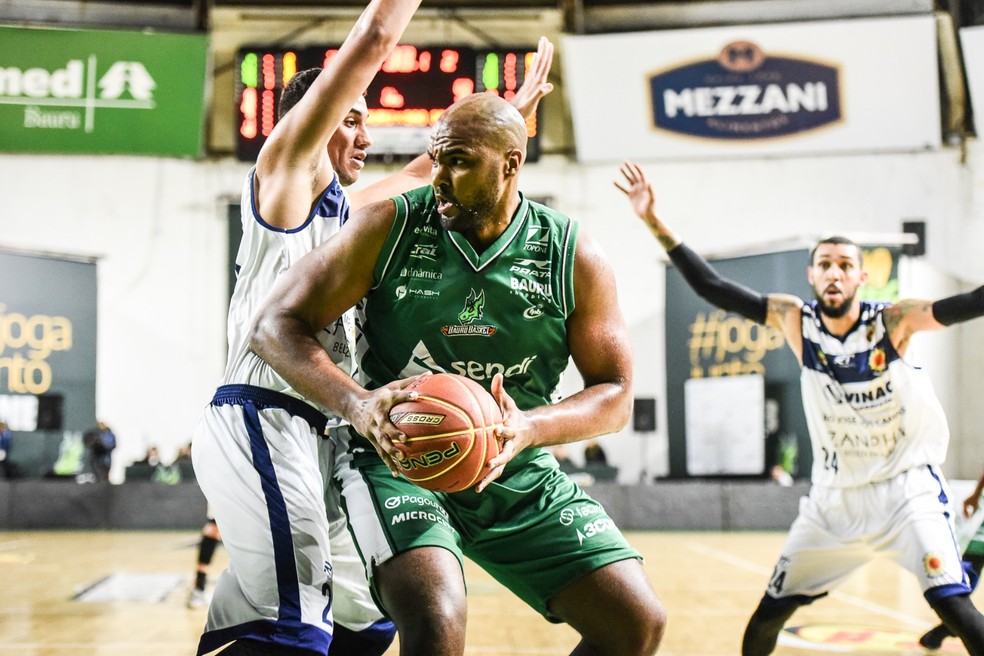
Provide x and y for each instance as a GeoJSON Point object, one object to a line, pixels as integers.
{"type": "Point", "coordinates": [102, 91]}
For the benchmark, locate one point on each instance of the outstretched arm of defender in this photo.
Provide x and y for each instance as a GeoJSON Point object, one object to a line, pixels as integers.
{"type": "Point", "coordinates": [701, 276]}
{"type": "Point", "coordinates": [907, 317]}
{"type": "Point", "coordinates": [781, 311]}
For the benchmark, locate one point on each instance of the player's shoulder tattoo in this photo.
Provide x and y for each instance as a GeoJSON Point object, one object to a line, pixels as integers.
{"type": "Point", "coordinates": [780, 305]}
{"type": "Point", "coordinates": [896, 314]}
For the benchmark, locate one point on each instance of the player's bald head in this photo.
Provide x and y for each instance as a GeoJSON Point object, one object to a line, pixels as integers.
{"type": "Point", "coordinates": [484, 117]}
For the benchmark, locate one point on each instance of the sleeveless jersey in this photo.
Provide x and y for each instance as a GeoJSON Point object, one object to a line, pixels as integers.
{"type": "Point", "coordinates": [870, 414]}
{"type": "Point", "coordinates": [437, 305]}
{"type": "Point", "coordinates": [264, 253]}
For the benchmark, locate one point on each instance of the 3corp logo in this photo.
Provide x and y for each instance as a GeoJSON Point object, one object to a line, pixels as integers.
{"type": "Point", "coordinates": [745, 94]}
{"type": "Point", "coordinates": [473, 311]}
{"type": "Point", "coordinates": [57, 99]}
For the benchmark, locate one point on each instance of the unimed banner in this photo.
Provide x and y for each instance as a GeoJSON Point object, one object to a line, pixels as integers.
{"type": "Point", "coordinates": [102, 91]}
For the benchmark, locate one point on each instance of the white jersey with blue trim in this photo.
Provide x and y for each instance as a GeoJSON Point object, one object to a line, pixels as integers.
{"type": "Point", "coordinates": [871, 415]}
{"type": "Point", "coordinates": [265, 252]}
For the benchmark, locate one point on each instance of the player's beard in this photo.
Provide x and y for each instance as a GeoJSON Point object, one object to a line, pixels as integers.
{"type": "Point", "coordinates": [471, 216]}
{"type": "Point", "coordinates": [834, 311]}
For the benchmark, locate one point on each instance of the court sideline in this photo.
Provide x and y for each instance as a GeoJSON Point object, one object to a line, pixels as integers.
{"type": "Point", "coordinates": [116, 593]}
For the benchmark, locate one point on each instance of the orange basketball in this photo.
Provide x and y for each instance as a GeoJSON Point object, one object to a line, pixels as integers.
{"type": "Point", "coordinates": [450, 430]}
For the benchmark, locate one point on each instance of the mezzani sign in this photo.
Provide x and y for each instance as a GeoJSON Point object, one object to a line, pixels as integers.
{"type": "Point", "coordinates": [101, 91]}
{"type": "Point", "coordinates": [744, 94]}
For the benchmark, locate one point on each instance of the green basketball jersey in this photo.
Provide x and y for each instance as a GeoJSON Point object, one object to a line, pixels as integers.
{"type": "Point", "coordinates": [437, 305]}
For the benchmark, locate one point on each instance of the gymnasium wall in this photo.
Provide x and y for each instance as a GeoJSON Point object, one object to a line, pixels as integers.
{"type": "Point", "coordinates": [676, 505]}
{"type": "Point", "coordinates": [158, 228]}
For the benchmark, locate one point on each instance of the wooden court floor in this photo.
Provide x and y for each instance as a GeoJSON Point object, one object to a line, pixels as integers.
{"type": "Point", "coordinates": [708, 581]}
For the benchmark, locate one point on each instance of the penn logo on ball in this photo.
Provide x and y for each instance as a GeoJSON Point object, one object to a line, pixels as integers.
{"type": "Point", "coordinates": [450, 429]}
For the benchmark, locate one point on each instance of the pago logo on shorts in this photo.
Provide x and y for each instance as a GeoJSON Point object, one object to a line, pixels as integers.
{"type": "Point", "coordinates": [745, 94]}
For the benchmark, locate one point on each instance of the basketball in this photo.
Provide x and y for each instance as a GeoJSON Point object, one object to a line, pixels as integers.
{"type": "Point", "coordinates": [450, 429]}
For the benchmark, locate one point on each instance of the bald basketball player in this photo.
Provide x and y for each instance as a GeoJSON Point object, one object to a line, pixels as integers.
{"type": "Point", "coordinates": [547, 294]}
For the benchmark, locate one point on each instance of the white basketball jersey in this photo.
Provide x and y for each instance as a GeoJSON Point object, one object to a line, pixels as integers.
{"type": "Point", "coordinates": [264, 253]}
{"type": "Point", "coordinates": [871, 415]}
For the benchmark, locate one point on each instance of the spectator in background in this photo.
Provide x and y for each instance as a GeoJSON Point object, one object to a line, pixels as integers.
{"type": "Point", "coordinates": [151, 459]}
{"type": "Point", "coordinates": [207, 542]}
{"type": "Point", "coordinates": [594, 454]}
{"type": "Point", "coordinates": [4, 450]}
{"type": "Point", "coordinates": [99, 442]}
{"type": "Point", "coordinates": [184, 454]}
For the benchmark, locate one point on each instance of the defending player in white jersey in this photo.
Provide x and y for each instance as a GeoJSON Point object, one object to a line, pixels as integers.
{"type": "Point", "coordinates": [258, 448]}
{"type": "Point", "coordinates": [260, 452]}
{"type": "Point", "coordinates": [878, 432]}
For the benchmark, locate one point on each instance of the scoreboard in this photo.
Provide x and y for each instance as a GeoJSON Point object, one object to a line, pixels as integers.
{"type": "Point", "coordinates": [410, 91]}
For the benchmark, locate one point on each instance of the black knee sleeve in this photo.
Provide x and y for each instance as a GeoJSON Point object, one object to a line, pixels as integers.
{"type": "Point", "coordinates": [963, 619]}
{"type": "Point", "coordinates": [767, 621]}
{"type": "Point", "coordinates": [206, 549]}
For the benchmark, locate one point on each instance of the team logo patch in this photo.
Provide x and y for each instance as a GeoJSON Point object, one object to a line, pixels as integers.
{"type": "Point", "coordinates": [877, 360]}
{"type": "Point", "coordinates": [934, 564]}
{"type": "Point", "coordinates": [473, 311]}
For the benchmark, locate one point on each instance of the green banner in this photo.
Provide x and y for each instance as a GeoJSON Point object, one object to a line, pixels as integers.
{"type": "Point", "coordinates": [102, 91]}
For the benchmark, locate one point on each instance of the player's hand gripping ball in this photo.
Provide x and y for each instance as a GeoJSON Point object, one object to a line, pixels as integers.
{"type": "Point", "coordinates": [450, 429]}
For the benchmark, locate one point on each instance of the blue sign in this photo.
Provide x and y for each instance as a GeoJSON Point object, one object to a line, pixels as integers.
{"type": "Point", "coordinates": [744, 95]}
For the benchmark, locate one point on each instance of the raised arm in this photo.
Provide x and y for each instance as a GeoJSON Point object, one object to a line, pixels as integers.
{"type": "Point", "coordinates": [417, 172]}
{"type": "Point", "coordinates": [781, 311]}
{"type": "Point", "coordinates": [907, 317]}
{"type": "Point", "coordinates": [293, 166]}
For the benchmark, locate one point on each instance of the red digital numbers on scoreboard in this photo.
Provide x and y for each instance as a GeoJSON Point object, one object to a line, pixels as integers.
{"type": "Point", "coordinates": [411, 90]}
